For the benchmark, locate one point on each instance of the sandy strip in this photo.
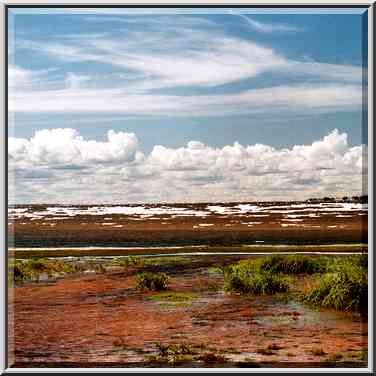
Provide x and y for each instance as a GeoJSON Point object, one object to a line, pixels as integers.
{"type": "Point", "coordinates": [256, 249]}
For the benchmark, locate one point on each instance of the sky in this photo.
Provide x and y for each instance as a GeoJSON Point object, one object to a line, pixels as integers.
{"type": "Point", "coordinates": [129, 106]}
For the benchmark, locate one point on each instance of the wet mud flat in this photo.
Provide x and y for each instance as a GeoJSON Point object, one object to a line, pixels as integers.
{"type": "Point", "coordinates": [103, 320]}
{"type": "Point", "coordinates": [165, 225]}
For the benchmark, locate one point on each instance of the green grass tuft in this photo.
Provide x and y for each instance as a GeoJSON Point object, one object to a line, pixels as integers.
{"type": "Point", "coordinates": [175, 296]}
{"type": "Point", "coordinates": [152, 281]}
{"type": "Point", "coordinates": [257, 283]}
{"type": "Point", "coordinates": [25, 270]}
{"type": "Point", "coordinates": [344, 286]}
{"type": "Point", "coordinates": [249, 278]}
{"type": "Point", "coordinates": [293, 264]}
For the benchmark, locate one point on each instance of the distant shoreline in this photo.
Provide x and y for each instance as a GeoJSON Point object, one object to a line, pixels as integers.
{"type": "Point", "coordinates": [336, 199]}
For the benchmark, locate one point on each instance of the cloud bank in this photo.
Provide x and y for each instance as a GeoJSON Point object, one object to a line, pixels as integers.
{"type": "Point", "coordinates": [60, 166]}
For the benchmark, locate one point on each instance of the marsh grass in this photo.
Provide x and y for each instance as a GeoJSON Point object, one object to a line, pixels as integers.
{"type": "Point", "coordinates": [32, 269]}
{"type": "Point", "coordinates": [337, 282]}
{"type": "Point", "coordinates": [166, 260]}
{"type": "Point", "coordinates": [185, 353]}
{"type": "Point", "coordinates": [174, 300]}
{"type": "Point", "coordinates": [130, 261]}
{"type": "Point", "coordinates": [294, 264]}
{"type": "Point", "coordinates": [152, 281]}
{"type": "Point", "coordinates": [175, 297]}
{"type": "Point", "coordinates": [250, 278]}
{"type": "Point", "coordinates": [140, 262]}
{"type": "Point", "coordinates": [174, 353]}
{"type": "Point", "coordinates": [334, 357]}
{"type": "Point", "coordinates": [175, 305]}
{"type": "Point", "coordinates": [344, 286]}
{"type": "Point", "coordinates": [259, 283]}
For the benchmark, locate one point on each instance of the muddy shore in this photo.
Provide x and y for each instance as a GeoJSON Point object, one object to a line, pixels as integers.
{"type": "Point", "coordinates": [101, 319]}
{"type": "Point", "coordinates": [188, 225]}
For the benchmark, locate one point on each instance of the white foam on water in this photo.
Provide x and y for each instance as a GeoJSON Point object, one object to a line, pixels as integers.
{"type": "Point", "coordinates": [54, 218]}
{"type": "Point", "coordinates": [150, 212]}
{"type": "Point", "coordinates": [219, 209]}
{"type": "Point", "coordinates": [292, 219]}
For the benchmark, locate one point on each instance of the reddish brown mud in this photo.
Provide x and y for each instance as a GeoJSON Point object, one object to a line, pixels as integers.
{"type": "Point", "coordinates": [102, 320]}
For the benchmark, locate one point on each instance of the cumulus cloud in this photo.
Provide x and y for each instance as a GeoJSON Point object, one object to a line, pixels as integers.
{"type": "Point", "coordinates": [58, 165]}
{"type": "Point", "coordinates": [64, 146]}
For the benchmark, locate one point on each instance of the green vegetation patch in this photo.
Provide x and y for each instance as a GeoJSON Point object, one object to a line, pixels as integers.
{"type": "Point", "coordinates": [175, 305]}
{"type": "Point", "coordinates": [343, 287]}
{"type": "Point", "coordinates": [174, 353]}
{"type": "Point", "coordinates": [181, 353]}
{"type": "Point", "coordinates": [130, 261]}
{"type": "Point", "coordinates": [175, 297]}
{"type": "Point", "coordinates": [140, 261]}
{"type": "Point", "coordinates": [294, 264]}
{"type": "Point", "coordinates": [338, 282]}
{"type": "Point", "coordinates": [152, 281]}
{"type": "Point", "coordinates": [24, 270]}
{"type": "Point", "coordinates": [171, 260]}
{"type": "Point", "coordinates": [249, 278]}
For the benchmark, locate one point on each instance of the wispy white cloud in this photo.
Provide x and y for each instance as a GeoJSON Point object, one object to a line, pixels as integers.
{"type": "Point", "coordinates": [146, 62]}
{"type": "Point", "coordinates": [192, 59]}
{"type": "Point", "coordinates": [185, 58]}
{"type": "Point", "coordinates": [149, 65]}
{"type": "Point", "coordinates": [58, 165]}
{"type": "Point", "coordinates": [263, 27]}
{"type": "Point", "coordinates": [25, 80]}
{"type": "Point", "coordinates": [296, 99]}
{"type": "Point", "coordinates": [155, 20]}
{"type": "Point", "coordinates": [324, 71]}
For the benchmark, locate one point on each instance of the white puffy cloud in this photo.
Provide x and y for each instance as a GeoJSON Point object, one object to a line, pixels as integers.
{"type": "Point", "coordinates": [58, 165]}
{"type": "Point", "coordinates": [64, 146]}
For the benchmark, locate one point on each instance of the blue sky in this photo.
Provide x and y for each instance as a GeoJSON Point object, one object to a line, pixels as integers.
{"type": "Point", "coordinates": [213, 76]}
